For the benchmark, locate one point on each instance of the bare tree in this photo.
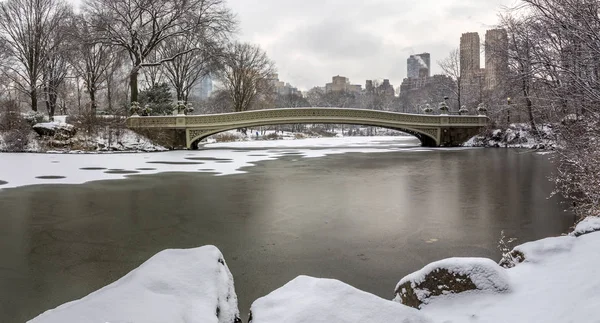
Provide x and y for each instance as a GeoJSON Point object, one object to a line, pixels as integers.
{"type": "Point", "coordinates": [451, 67]}
{"type": "Point", "coordinates": [27, 28]}
{"type": "Point", "coordinates": [140, 26]}
{"type": "Point", "coordinates": [186, 70]}
{"type": "Point", "coordinates": [245, 73]}
{"type": "Point", "coordinates": [558, 44]}
{"type": "Point", "coordinates": [90, 59]}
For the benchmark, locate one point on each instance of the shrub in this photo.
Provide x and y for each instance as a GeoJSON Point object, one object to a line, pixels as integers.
{"type": "Point", "coordinates": [33, 117]}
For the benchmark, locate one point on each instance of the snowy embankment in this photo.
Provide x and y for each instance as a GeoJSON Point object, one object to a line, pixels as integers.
{"type": "Point", "coordinates": [556, 280]}
{"type": "Point", "coordinates": [63, 138]}
{"type": "Point", "coordinates": [186, 286]}
{"type": "Point", "coordinates": [517, 135]}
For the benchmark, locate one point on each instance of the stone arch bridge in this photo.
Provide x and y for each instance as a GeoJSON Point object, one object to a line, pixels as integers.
{"type": "Point", "coordinates": [431, 130]}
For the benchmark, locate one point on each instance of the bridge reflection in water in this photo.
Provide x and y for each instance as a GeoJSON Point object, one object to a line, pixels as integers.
{"type": "Point", "coordinates": [431, 130]}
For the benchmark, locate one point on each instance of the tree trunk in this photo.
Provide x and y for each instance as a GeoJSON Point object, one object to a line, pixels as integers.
{"type": "Point", "coordinates": [133, 84]}
{"type": "Point", "coordinates": [530, 112]}
{"type": "Point", "coordinates": [93, 101]}
{"type": "Point", "coordinates": [33, 96]}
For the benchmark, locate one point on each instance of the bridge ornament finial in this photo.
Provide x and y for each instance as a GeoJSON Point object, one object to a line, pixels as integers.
{"type": "Point", "coordinates": [463, 110]}
{"type": "Point", "coordinates": [189, 108]}
{"type": "Point", "coordinates": [146, 110]}
{"type": "Point", "coordinates": [180, 107]}
{"type": "Point", "coordinates": [134, 109]}
{"type": "Point", "coordinates": [443, 107]}
{"type": "Point", "coordinates": [428, 109]}
{"type": "Point", "coordinates": [481, 109]}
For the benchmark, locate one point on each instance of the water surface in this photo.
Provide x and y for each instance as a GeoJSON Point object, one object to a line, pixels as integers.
{"type": "Point", "coordinates": [366, 219]}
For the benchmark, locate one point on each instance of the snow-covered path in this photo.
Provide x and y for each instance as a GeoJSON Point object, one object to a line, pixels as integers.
{"type": "Point", "coordinates": [20, 169]}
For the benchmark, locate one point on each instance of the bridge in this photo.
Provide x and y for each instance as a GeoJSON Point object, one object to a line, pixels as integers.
{"type": "Point", "coordinates": [431, 130]}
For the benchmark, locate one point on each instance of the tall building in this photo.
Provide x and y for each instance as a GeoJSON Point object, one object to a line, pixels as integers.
{"type": "Point", "coordinates": [418, 65]}
{"type": "Point", "coordinates": [384, 88]}
{"type": "Point", "coordinates": [203, 89]}
{"type": "Point", "coordinates": [469, 53]}
{"type": "Point", "coordinates": [496, 57]}
{"type": "Point", "coordinates": [342, 84]}
{"type": "Point", "coordinates": [282, 88]}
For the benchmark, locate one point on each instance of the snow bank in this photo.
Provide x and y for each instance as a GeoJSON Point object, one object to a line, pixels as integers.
{"type": "Point", "coordinates": [187, 285]}
{"type": "Point", "coordinates": [560, 286]}
{"type": "Point", "coordinates": [452, 275]}
{"type": "Point", "coordinates": [315, 300]}
{"type": "Point", "coordinates": [587, 225]}
{"type": "Point", "coordinates": [540, 250]}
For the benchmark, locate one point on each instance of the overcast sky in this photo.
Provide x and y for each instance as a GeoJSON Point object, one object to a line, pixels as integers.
{"type": "Point", "coordinates": [313, 40]}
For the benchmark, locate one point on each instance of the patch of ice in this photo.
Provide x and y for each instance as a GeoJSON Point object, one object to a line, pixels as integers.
{"type": "Point", "coordinates": [175, 286]}
{"type": "Point", "coordinates": [315, 300]}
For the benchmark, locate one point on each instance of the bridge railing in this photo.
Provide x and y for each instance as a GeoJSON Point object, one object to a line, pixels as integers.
{"type": "Point", "coordinates": [308, 115]}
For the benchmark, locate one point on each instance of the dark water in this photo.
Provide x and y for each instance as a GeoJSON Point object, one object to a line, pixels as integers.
{"type": "Point", "coordinates": [366, 219]}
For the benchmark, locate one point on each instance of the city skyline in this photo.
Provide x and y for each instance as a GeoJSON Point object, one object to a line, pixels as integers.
{"type": "Point", "coordinates": [311, 41]}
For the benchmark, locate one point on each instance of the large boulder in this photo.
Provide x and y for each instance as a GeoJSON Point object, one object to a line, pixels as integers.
{"type": "Point", "coordinates": [57, 130]}
{"type": "Point", "coordinates": [318, 300]}
{"type": "Point", "coordinates": [451, 276]}
{"type": "Point", "coordinates": [175, 286]}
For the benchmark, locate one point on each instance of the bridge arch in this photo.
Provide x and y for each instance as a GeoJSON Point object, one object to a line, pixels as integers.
{"type": "Point", "coordinates": [194, 136]}
{"type": "Point", "coordinates": [431, 130]}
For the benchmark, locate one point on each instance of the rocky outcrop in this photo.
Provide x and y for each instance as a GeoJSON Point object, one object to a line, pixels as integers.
{"type": "Point", "coordinates": [451, 276]}
{"type": "Point", "coordinates": [60, 131]}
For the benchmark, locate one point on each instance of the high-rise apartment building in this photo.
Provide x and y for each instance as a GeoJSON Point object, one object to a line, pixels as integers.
{"type": "Point", "coordinates": [496, 57]}
{"type": "Point", "coordinates": [469, 53]}
{"type": "Point", "coordinates": [418, 65]}
{"type": "Point", "coordinates": [203, 88]}
{"type": "Point", "coordinates": [342, 84]}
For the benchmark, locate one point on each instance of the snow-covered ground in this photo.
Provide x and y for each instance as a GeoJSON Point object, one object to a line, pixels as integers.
{"type": "Point", "coordinates": [314, 300]}
{"type": "Point", "coordinates": [178, 285]}
{"type": "Point", "coordinates": [558, 281]}
{"type": "Point", "coordinates": [18, 169]}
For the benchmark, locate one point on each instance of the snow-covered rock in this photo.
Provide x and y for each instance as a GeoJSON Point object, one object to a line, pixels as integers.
{"type": "Point", "coordinates": [516, 135]}
{"type": "Point", "coordinates": [558, 282]}
{"type": "Point", "coordinates": [587, 225]}
{"type": "Point", "coordinates": [183, 285]}
{"type": "Point", "coordinates": [62, 130]}
{"type": "Point", "coordinates": [451, 276]}
{"type": "Point", "coordinates": [315, 300]}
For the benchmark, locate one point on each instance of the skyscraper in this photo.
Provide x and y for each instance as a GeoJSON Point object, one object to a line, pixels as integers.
{"type": "Point", "coordinates": [469, 54]}
{"type": "Point", "coordinates": [418, 65]}
{"type": "Point", "coordinates": [496, 57]}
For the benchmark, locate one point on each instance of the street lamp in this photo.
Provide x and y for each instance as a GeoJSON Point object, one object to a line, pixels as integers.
{"type": "Point", "coordinates": [508, 111]}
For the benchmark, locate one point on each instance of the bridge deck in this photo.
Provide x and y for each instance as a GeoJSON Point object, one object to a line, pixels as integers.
{"type": "Point", "coordinates": [432, 130]}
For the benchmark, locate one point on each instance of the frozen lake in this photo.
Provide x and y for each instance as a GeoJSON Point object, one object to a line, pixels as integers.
{"type": "Point", "coordinates": [366, 211]}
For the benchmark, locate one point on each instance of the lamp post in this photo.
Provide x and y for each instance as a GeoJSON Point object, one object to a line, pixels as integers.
{"type": "Point", "coordinates": [508, 111]}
